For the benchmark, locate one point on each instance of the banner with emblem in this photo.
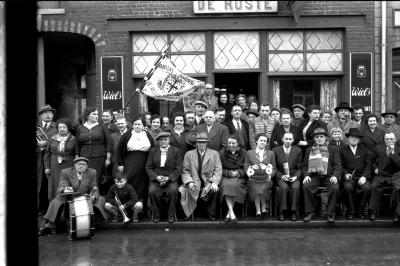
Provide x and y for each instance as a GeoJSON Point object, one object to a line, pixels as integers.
{"type": "Point", "coordinates": [361, 90]}
{"type": "Point", "coordinates": [168, 83]}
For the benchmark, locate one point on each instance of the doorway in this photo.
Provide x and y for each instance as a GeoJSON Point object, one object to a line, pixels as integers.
{"type": "Point", "coordinates": [236, 83]}
{"type": "Point", "coordinates": [303, 91]}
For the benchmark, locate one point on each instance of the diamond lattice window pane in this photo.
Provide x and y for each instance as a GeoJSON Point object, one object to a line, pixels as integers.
{"type": "Point", "coordinates": [236, 50]}
{"type": "Point", "coordinates": [188, 42]}
{"type": "Point", "coordinates": [324, 40]}
{"type": "Point", "coordinates": [285, 40]}
{"type": "Point", "coordinates": [190, 63]}
{"type": "Point", "coordinates": [143, 64]}
{"type": "Point", "coordinates": [324, 62]}
{"type": "Point", "coordinates": [149, 43]}
{"type": "Point", "coordinates": [286, 62]}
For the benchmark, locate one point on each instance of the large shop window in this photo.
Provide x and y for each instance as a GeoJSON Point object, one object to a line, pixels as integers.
{"type": "Point", "coordinates": [305, 51]}
{"type": "Point", "coordinates": [187, 51]}
{"type": "Point", "coordinates": [396, 77]}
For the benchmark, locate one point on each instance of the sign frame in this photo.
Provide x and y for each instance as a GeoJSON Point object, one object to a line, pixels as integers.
{"type": "Point", "coordinates": [122, 79]}
{"type": "Point", "coordinates": [219, 7]}
{"type": "Point", "coordinates": [372, 82]}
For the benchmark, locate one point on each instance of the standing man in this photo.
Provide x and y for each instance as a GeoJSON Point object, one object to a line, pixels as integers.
{"type": "Point", "coordinates": [217, 134]}
{"type": "Point", "coordinates": [356, 165]}
{"type": "Point", "coordinates": [389, 125]}
{"type": "Point", "coordinates": [240, 127]}
{"type": "Point", "coordinates": [46, 128]}
{"type": "Point", "coordinates": [385, 168]}
{"type": "Point", "coordinates": [263, 125]}
{"type": "Point", "coordinates": [288, 171]}
{"type": "Point", "coordinates": [164, 167]}
{"type": "Point", "coordinates": [190, 117]}
{"type": "Point", "coordinates": [285, 127]}
{"type": "Point", "coordinates": [358, 113]}
{"type": "Point", "coordinates": [343, 119]}
{"type": "Point", "coordinates": [202, 172]}
{"type": "Point", "coordinates": [208, 97]}
{"type": "Point", "coordinates": [321, 167]}
{"type": "Point", "coordinates": [122, 126]}
{"type": "Point", "coordinates": [220, 114]}
{"type": "Point", "coordinates": [200, 108]}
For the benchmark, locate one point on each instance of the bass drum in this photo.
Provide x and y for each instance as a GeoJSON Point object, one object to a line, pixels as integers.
{"type": "Point", "coordinates": [81, 218]}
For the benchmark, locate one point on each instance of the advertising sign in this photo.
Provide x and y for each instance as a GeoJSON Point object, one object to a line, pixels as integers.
{"type": "Point", "coordinates": [361, 80]}
{"type": "Point", "coordinates": [112, 82]}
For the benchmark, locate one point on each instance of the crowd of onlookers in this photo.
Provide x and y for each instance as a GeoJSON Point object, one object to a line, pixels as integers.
{"type": "Point", "coordinates": [225, 150]}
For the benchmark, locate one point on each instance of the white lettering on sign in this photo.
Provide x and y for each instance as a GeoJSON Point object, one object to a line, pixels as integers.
{"type": "Point", "coordinates": [357, 91]}
{"type": "Point", "coordinates": [202, 7]}
{"type": "Point", "coordinates": [112, 95]}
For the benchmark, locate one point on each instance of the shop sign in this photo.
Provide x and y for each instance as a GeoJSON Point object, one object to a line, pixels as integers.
{"type": "Point", "coordinates": [361, 80]}
{"type": "Point", "coordinates": [204, 7]}
{"type": "Point", "coordinates": [112, 82]}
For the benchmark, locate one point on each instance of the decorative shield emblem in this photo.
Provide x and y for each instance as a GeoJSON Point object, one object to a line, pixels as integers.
{"type": "Point", "coordinates": [112, 75]}
{"type": "Point", "coordinates": [361, 71]}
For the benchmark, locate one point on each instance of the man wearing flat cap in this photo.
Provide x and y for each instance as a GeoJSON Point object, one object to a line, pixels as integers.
{"type": "Point", "coordinates": [79, 179]}
{"type": "Point", "coordinates": [164, 167]}
{"type": "Point", "coordinates": [321, 167]}
{"type": "Point", "coordinates": [298, 114]}
{"type": "Point", "coordinates": [207, 97]}
{"type": "Point", "coordinates": [343, 119]}
{"type": "Point", "coordinates": [201, 176]}
{"type": "Point", "coordinates": [389, 126]}
{"type": "Point", "coordinates": [46, 128]}
{"type": "Point", "coordinates": [356, 174]}
{"type": "Point", "coordinates": [199, 109]}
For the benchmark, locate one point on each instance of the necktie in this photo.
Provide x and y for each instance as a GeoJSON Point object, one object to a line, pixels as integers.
{"type": "Point", "coordinates": [387, 152]}
{"type": "Point", "coordinates": [287, 153]}
{"type": "Point", "coordinates": [237, 125]}
{"type": "Point", "coordinates": [46, 126]}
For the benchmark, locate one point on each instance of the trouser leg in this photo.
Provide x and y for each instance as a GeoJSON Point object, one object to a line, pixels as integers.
{"type": "Point", "coordinates": [333, 192]}
{"type": "Point", "coordinates": [212, 203]}
{"type": "Point", "coordinates": [363, 194]}
{"type": "Point", "coordinates": [171, 198]}
{"type": "Point", "coordinates": [309, 190]}
{"type": "Point", "coordinates": [376, 195]}
{"type": "Point", "coordinates": [348, 192]}
{"type": "Point", "coordinates": [282, 191]}
{"type": "Point", "coordinates": [294, 195]}
{"type": "Point", "coordinates": [155, 200]}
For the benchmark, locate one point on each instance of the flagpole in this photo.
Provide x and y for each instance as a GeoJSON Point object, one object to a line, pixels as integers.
{"type": "Point", "coordinates": [148, 76]}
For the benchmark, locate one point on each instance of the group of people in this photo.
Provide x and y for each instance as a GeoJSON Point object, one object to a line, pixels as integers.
{"type": "Point", "coordinates": [225, 151]}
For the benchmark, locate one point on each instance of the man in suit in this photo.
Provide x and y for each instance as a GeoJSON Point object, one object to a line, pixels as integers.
{"type": "Point", "coordinates": [190, 118]}
{"type": "Point", "coordinates": [201, 176]}
{"type": "Point", "coordinates": [240, 127]}
{"type": "Point", "coordinates": [79, 179]}
{"type": "Point", "coordinates": [343, 119]}
{"type": "Point", "coordinates": [46, 128]}
{"type": "Point", "coordinates": [208, 97]}
{"type": "Point", "coordinates": [164, 167]}
{"type": "Point", "coordinates": [321, 167]}
{"type": "Point", "coordinates": [286, 126]}
{"type": "Point", "coordinates": [384, 169]}
{"type": "Point", "coordinates": [389, 125]}
{"type": "Point", "coordinates": [200, 108]}
{"type": "Point", "coordinates": [288, 171]}
{"type": "Point", "coordinates": [358, 113]}
{"type": "Point", "coordinates": [356, 165]}
{"type": "Point", "coordinates": [264, 124]}
{"type": "Point", "coordinates": [216, 133]}
{"type": "Point", "coordinates": [122, 126]}
{"type": "Point", "coordinates": [220, 115]}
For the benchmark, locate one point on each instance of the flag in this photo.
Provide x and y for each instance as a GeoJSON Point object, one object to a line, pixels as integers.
{"type": "Point", "coordinates": [168, 83]}
{"type": "Point", "coordinates": [296, 7]}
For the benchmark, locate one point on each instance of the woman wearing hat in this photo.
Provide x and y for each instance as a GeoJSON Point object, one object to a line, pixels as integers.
{"type": "Point", "coordinates": [59, 155]}
{"type": "Point", "coordinates": [233, 183]}
{"type": "Point", "coordinates": [94, 142]}
{"type": "Point", "coordinates": [132, 152]}
{"type": "Point", "coordinates": [259, 164]}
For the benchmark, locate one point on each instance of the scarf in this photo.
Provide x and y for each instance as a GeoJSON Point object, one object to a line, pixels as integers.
{"type": "Point", "coordinates": [318, 160]}
{"type": "Point", "coordinates": [163, 156]}
{"type": "Point", "coordinates": [62, 140]}
{"type": "Point", "coordinates": [138, 142]}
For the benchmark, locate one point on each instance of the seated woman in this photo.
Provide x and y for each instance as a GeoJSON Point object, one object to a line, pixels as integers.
{"type": "Point", "coordinates": [233, 184]}
{"type": "Point", "coordinates": [259, 165]}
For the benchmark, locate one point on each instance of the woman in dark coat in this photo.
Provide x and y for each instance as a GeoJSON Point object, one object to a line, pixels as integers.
{"type": "Point", "coordinates": [93, 141]}
{"type": "Point", "coordinates": [233, 183]}
{"type": "Point", "coordinates": [59, 155]}
{"type": "Point", "coordinates": [132, 152]}
{"type": "Point", "coordinates": [223, 102]}
{"type": "Point", "coordinates": [284, 127]}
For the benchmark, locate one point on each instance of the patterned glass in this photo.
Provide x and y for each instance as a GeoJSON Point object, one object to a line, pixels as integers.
{"type": "Point", "coordinates": [324, 40]}
{"type": "Point", "coordinates": [236, 50]}
{"type": "Point", "coordinates": [143, 64]}
{"type": "Point", "coordinates": [149, 43]}
{"type": "Point", "coordinates": [188, 42]}
{"type": "Point", "coordinates": [286, 62]}
{"type": "Point", "coordinates": [190, 63]}
{"type": "Point", "coordinates": [324, 62]}
{"type": "Point", "coordinates": [285, 40]}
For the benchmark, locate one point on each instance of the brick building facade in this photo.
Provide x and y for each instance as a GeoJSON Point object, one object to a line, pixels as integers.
{"type": "Point", "coordinates": [266, 54]}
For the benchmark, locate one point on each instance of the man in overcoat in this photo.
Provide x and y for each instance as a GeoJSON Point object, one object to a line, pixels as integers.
{"type": "Point", "coordinates": [217, 133]}
{"type": "Point", "coordinates": [201, 175]}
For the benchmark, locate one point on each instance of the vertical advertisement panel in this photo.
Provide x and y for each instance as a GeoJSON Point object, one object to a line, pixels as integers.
{"type": "Point", "coordinates": [112, 82]}
{"type": "Point", "coordinates": [361, 80]}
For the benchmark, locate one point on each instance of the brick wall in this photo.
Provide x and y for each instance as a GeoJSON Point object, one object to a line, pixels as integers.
{"type": "Point", "coordinates": [118, 43]}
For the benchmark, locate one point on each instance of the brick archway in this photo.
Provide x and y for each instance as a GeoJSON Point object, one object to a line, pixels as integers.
{"type": "Point", "coordinates": [73, 27]}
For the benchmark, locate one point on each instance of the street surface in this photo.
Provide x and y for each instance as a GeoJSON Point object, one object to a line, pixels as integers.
{"type": "Point", "coordinates": [328, 246]}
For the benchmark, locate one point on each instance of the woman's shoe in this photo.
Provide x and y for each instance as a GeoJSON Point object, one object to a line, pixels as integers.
{"type": "Point", "coordinates": [234, 220]}
{"type": "Point", "coordinates": [44, 231]}
{"type": "Point", "coordinates": [227, 220]}
{"type": "Point", "coordinates": [258, 216]}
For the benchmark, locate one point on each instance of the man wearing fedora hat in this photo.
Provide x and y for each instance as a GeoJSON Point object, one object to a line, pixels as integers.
{"type": "Point", "coordinates": [343, 119]}
{"type": "Point", "coordinates": [202, 172]}
{"type": "Point", "coordinates": [46, 128]}
{"type": "Point", "coordinates": [356, 174]}
{"type": "Point", "coordinates": [164, 167]}
{"type": "Point", "coordinates": [79, 179]}
{"type": "Point", "coordinates": [321, 167]}
{"type": "Point", "coordinates": [390, 126]}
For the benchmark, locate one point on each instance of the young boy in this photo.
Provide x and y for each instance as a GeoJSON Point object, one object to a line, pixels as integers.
{"type": "Point", "coordinates": [128, 197]}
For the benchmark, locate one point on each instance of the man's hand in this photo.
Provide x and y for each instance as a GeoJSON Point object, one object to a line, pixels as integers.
{"type": "Point", "coordinates": [47, 171]}
{"type": "Point", "coordinates": [121, 207]}
{"type": "Point", "coordinates": [306, 180]}
{"type": "Point", "coordinates": [68, 189]}
{"type": "Point", "coordinates": [303, 143]}
{"type": "Point", "coordinates": [293, 178]}
{"type": "Point", "coordinates": [234, 173]}
{"type": "Point", "coordinates": [214, 187]}
{"type": "Point", "coordinates": [42, 143]}
{"type": "Point", "coordinates": [333, 180]}
{"type": "Point", "coordinates": [121, 168]}
{"type": "Point", "coordinates": [192, 186]}
{"type": "Point", "coordinates": [376, 171]}
{"type": "Point", "coordinates": [348, 177]}
{"type": "Point", "coordinates": [107, 162]}
{"type": "Point", "coordinates": [362, 180]}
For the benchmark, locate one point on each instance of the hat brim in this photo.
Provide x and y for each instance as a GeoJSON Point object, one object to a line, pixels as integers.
{"type": "Point", "coordinates": [343, 107]}
{"type": "Point", "coordinates": [202, 140]}
{"type": "Point", "coordinates": [389, 113]}
{"type": "Point", "coordinates": [298, 106]}
{"type": "Point", "coordinates": [80, 159]}
{"type": "Point", "coordinates": [322, 133]}
{"type": "Point", "coordinates": [354, 135]}
{"type": "Point", "coordinates": [48, 110]}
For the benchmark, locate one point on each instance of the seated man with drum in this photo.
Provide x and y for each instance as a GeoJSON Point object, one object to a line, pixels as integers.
{"type": "Point", "coordinates": [76, 182]}
{"type": "Point", "coordinates": [123, 197]}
